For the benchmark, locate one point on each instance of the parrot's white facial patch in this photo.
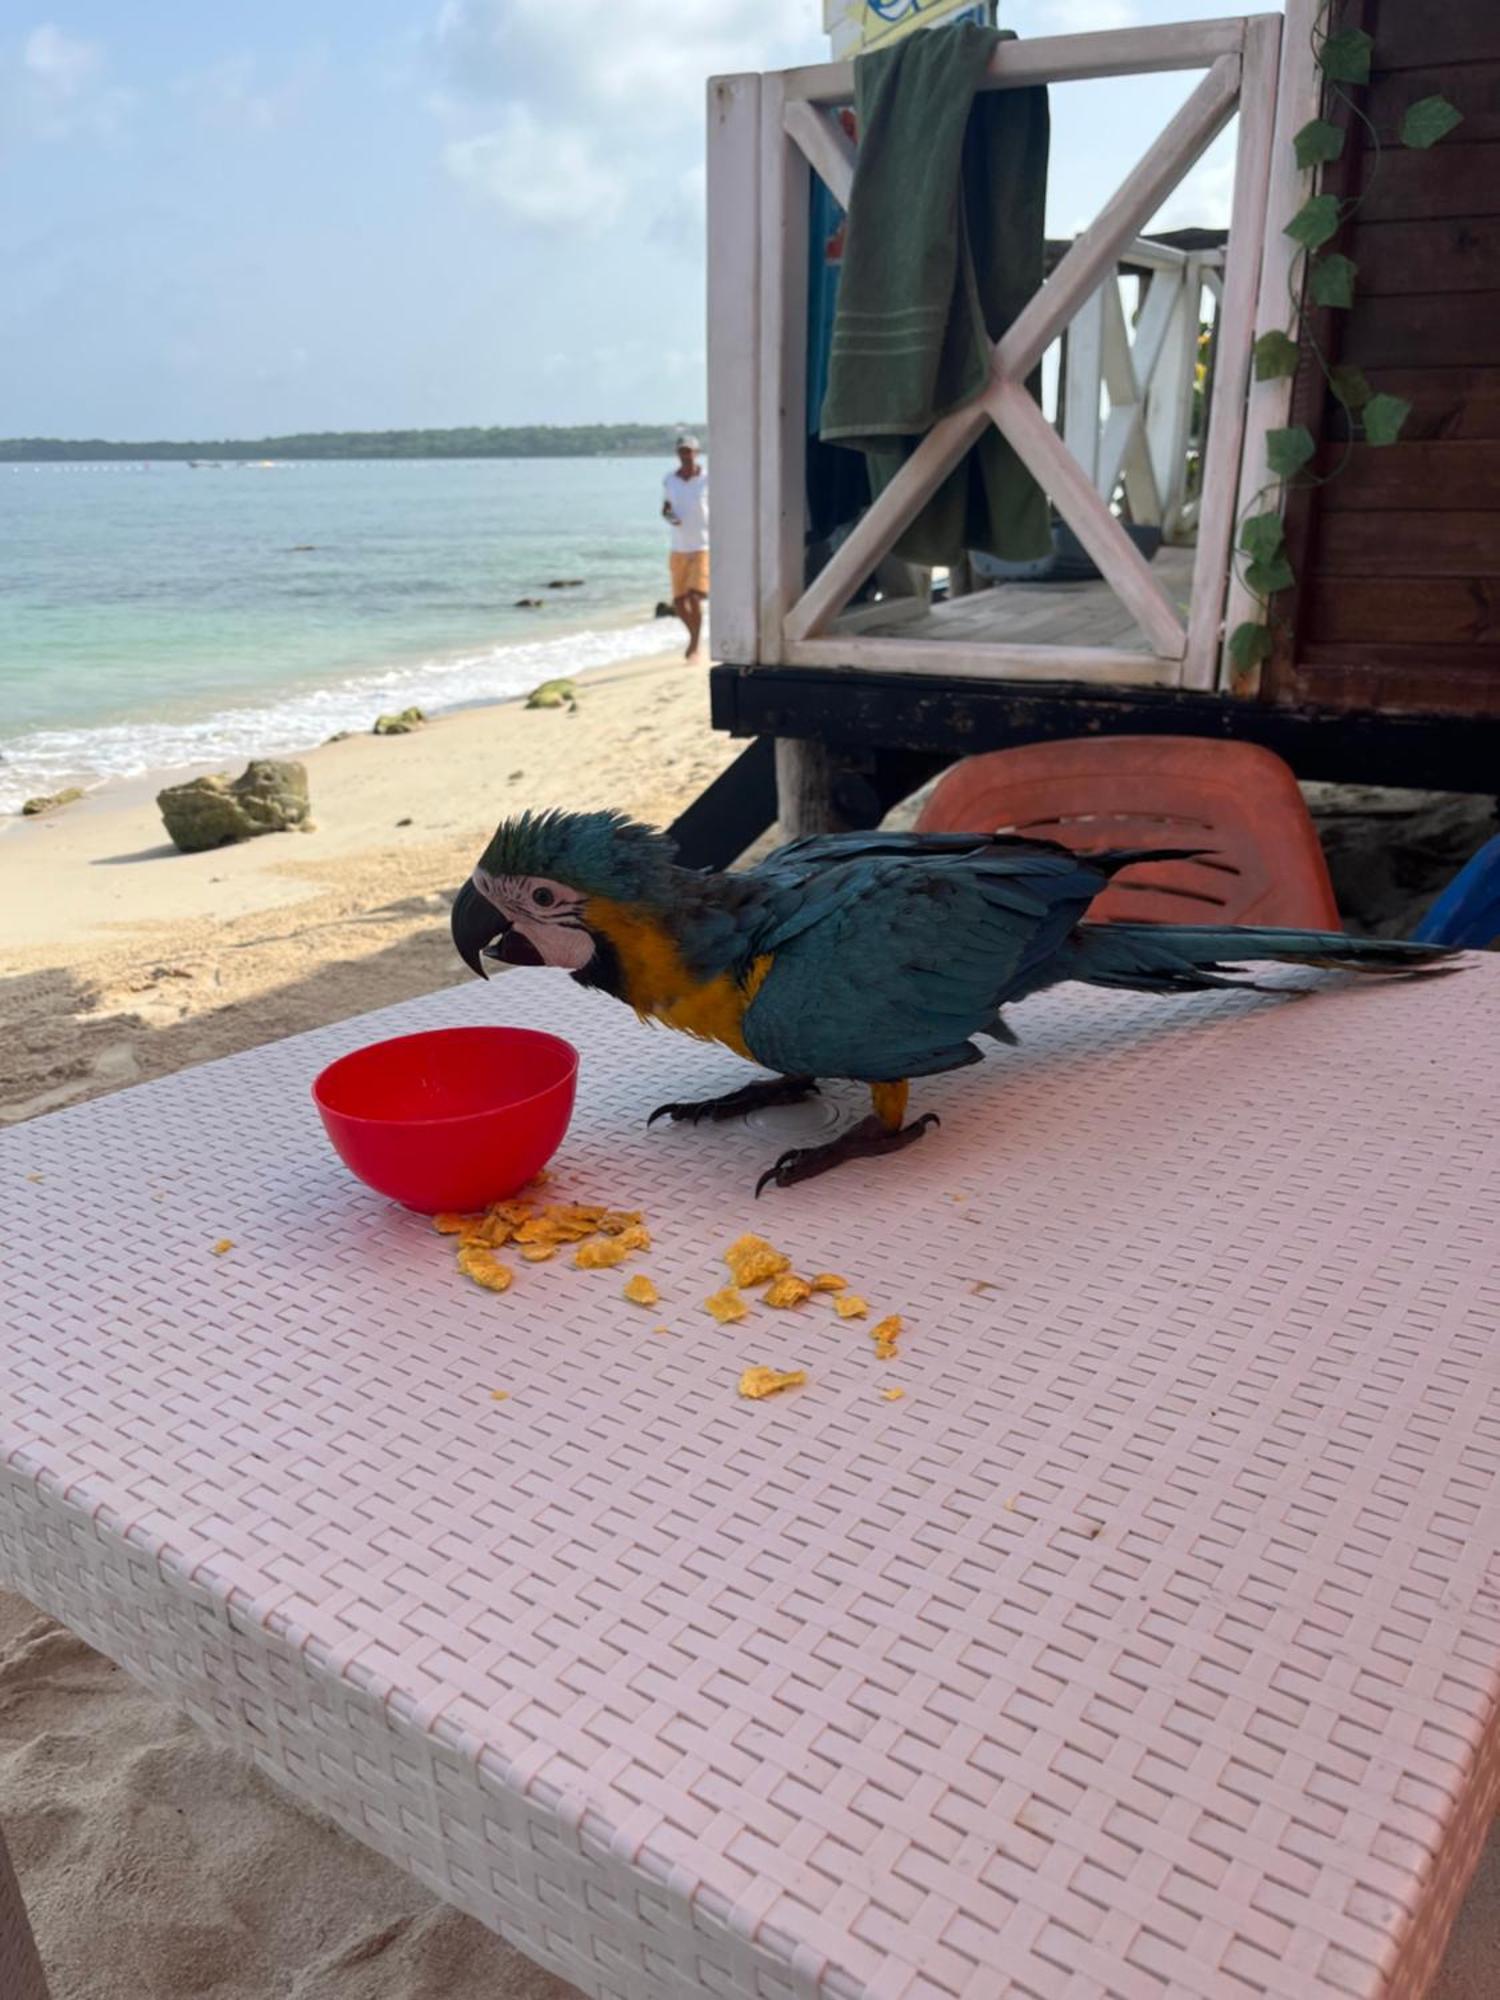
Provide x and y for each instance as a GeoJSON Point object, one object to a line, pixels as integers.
{"type": "Point", "coordinates": [548, 914]}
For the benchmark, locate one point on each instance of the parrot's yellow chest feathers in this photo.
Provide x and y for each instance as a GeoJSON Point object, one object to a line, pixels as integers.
{"type": "Point", "coordinates": [661, 987]}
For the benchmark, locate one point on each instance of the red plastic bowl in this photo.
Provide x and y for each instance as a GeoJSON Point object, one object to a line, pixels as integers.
{"type": "Point", "coordinates": [454, 1119]}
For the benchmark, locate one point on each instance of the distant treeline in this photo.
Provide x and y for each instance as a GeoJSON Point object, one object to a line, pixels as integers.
{"type": "Point", "coordinates": [513, 441]}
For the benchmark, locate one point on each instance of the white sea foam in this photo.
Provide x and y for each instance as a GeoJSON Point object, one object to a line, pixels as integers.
{"type": "Point", "coordinates": [44, 760]}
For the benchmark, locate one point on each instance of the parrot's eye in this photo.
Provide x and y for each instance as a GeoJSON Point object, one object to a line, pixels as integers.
{"type": "Point", "coordinates": [543, 898]}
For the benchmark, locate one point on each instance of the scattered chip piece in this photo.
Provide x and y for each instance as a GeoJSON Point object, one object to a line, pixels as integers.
{"type": "Point", "coordinates": [641, 1292]}
{"type": "Point", "coordinates": [484, 1267]}
{"type": "Point", "coordinates": [453, 1225]}
{"type": "Point", "coordinates": [758, 1382]}
{"type": "Point", "coordinates": [597, 1256]}
{"type": "Point", "coordinates": [787, 1290]}
{"type": "Point", "coordinates": [636, 1237]}
{"type": "Point", "coordinates": [538, 1253]}
{"type": "Point", "coordinates": [727, 1306]}
{"type": "Point", "coordinates": [660, 1329]}
{"type": "Point", "coordinates": [754, 1261]}
{"type": "Point", "coordinates": [849, 1305]}
{"type": "Point", "coordinates": [885, 1335]}
{"type": "Point", "coordinates": [893, 1395]}
{"type": "Point", "coordinates": [222, 1246]}
{"type": "Point", "coordinates": [500, 1395]}
{"type": "Point", "coordinates": [615, 1221]}
{"type": "Point", "coordinates": [830, 1281]}
{"type": "Point", "coordinates": [36, 1177]}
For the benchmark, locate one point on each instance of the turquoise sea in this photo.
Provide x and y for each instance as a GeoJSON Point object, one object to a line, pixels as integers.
{"type": "Point", "coordinates": [164, 616]}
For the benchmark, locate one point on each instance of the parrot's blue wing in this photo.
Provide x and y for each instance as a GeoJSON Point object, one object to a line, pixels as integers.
{"type": "Point", "coordinates": [885, 966]}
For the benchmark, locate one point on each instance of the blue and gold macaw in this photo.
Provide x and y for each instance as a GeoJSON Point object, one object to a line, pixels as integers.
{"type": "Point", "coordinates": [870, 956]}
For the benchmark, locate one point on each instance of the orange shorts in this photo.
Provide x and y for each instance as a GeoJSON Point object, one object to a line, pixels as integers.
{"type": "Point", "coordinates": [690, 573]}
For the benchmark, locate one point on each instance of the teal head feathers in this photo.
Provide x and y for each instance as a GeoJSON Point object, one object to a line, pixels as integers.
{"type": "Point", "coordinates": [526, 902]}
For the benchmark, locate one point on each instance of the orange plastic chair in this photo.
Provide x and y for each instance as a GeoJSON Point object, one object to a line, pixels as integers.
{"type": "Point", "coordinates": [1264, 864]}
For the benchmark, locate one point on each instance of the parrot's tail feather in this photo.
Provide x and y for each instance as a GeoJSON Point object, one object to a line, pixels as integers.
{"type": "Point", "coordinates": [1187, 958]}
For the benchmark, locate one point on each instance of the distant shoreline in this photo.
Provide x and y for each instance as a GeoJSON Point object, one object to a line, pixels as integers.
{"type": "Point", "coordinates": [499, 441]}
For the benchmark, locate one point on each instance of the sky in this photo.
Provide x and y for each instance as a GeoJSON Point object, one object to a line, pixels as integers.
{"type": "Point", "coordinates": [263, 216]}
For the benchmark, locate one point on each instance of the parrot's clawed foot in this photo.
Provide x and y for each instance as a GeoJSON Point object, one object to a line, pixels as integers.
{"type": "Point", "coordinates": [865, 1141]}
{"type": "Point", "coordinates": [753, 1097]}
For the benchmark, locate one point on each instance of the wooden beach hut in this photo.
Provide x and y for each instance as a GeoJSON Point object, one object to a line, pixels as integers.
{"type": "Point", "coordinates": [1384, 664]}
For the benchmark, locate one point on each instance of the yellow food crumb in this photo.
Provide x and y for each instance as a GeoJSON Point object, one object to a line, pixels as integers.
{"type": "Point", "coordinates": [222, 1246]}
{"type": "Point", "coordinates": [641, 1292]}
{"type": "Point", "coordinates": [36, 1177]}
{"type": "Point", "coordinates": [538, 1253]}
{"type": "Point", "coordinates": [758, 1382]}
{"type": "Point", "coordinates": [636, 1237]}
{"type": "Point", "coordinates": [885, 1335]}
{"type": "Point", "coordinates": [727, 1306]}
{"type": "Point", "coordinates": [849, 1305]}
{"type": "Point", "coordinates": [829, 1281]}
{"type": "Point", "coordinates": [513, 1212]}
{"type": "Point", "coordinates": [615, 1221]}
{"type": "Point", "coordinates": [787, 1290]}
{"type": "Point", "coordinates": [596, 1256]}
{"type": "Point", "coordinates": [453, 1225]}
{"type": "Point", "coordinates": [893, 1395]}
{"type": "Point", "coordinates": [484, 1267]}
{"type": "Point", "coordinates": [753, 1261]}
{"type": "Point", "coordinates": [659, 1329]}
{"type": "Point", "coordinates": [501, 1395]}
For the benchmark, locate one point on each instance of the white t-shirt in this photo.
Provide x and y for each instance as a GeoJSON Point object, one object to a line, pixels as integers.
{"type": "Point", "coordinates": [688, 500]}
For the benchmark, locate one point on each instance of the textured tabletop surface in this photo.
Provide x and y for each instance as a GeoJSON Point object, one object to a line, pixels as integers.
{"type": "Point", "coordinates": [1149, 1644]}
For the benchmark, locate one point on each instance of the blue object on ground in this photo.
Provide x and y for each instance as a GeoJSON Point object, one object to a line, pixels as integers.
{"type": "Point", "coordinates": [1467, 914]}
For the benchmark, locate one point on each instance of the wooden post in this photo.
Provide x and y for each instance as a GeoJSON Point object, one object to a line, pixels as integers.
{"type": "Point", "coordinates": [805, 774]}
{"type": "Point", "coordinates": [1234, 335]}
{"type": "Point", "coordinates": [1298, 99]}
{"type": "Point", "coordinates": [782, 415]}
{"type": "Point", "coordinates": [734, 359]}
{"type": "Point", "coordinates": [20, 1969]}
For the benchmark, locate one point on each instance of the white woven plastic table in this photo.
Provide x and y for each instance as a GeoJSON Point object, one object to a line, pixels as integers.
{"type": "Point", "coordinates": [1150, 1645]}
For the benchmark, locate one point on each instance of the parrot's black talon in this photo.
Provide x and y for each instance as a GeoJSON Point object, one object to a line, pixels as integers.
{"type": "Point", "coordinates": [738, 1103]}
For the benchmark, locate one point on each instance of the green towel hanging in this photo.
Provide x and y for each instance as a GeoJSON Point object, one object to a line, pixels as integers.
{"type": "Point", "coordinates": [945, 244]}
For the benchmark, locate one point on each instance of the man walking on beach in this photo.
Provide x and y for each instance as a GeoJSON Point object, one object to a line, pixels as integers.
{"type": "Point", "coordinates": [685, 505]}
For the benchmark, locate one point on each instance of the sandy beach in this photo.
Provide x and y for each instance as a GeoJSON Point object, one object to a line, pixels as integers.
{"type": "Point", "coordinates": [154, 1863]}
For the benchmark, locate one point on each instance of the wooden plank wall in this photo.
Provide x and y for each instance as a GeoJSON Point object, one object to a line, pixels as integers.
{"type": "Point", "coordinates": [1399, 554]}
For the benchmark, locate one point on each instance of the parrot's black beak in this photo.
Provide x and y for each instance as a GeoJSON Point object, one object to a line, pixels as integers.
{"type": "Point", "coordinates": [475, 922]}
{"type": "Point", "coordinates": [480, 933]}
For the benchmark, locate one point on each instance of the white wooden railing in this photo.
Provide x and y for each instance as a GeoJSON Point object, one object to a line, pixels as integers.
{"type": "Point", "coordinates": [1145, 442]}
{"type": "Point", "coordinates": [768, 132]}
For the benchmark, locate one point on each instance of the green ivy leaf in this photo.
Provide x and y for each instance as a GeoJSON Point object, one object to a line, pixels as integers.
{"type": "Point", "coordinates": [1248, 645]}
{"type": "Point", "coordinates": [1428, 120]}
{"type": "Point", "coordinates": [1275, 355]}
{"type": "Point", "coordinates": [1383, 417]}
{"type": "Point", "coordinates": [1261, 536]}
{"type": "Point", "coordinates": [1346, 56]}
{"type": "Point", "coordinates": [1287, 451]}
{"type": "Point", "coordinates": [1266, 578]}
{"type": "Point", "coordinates": [1319, 142]}
{"type": "Point", "coordinates": [1349, 385]}
{"type": "Point", "coordinates": [1332, 281]}
{"type": "Point", "coordinates": [1315, 221]}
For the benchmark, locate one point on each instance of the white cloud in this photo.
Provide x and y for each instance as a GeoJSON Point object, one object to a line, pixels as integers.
{"type": "Point", "coordinates": [645, 62]}
{"type": "Point", "coordinates": [683, 215]}
{"type": "Point", "coordinates": [1088, 17]}
{"type": "Point", "coordinates": [1203, 200]}
{"type": "Point", "coordinates": [536, 97]}
{"type": "Point", "coordinates": [539, 173]}
{"type": "Point", "coordinates": [235, 95]}
{"type": "Point", "coordinates": [63, 86]}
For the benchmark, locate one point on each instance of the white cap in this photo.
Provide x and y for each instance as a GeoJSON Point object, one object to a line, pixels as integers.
{"type": "Point", "coordinates": [686, 441]}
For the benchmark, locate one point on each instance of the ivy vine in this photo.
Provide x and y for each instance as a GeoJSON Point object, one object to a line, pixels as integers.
{"type": "Point", "coordinates": [1328, 279]}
